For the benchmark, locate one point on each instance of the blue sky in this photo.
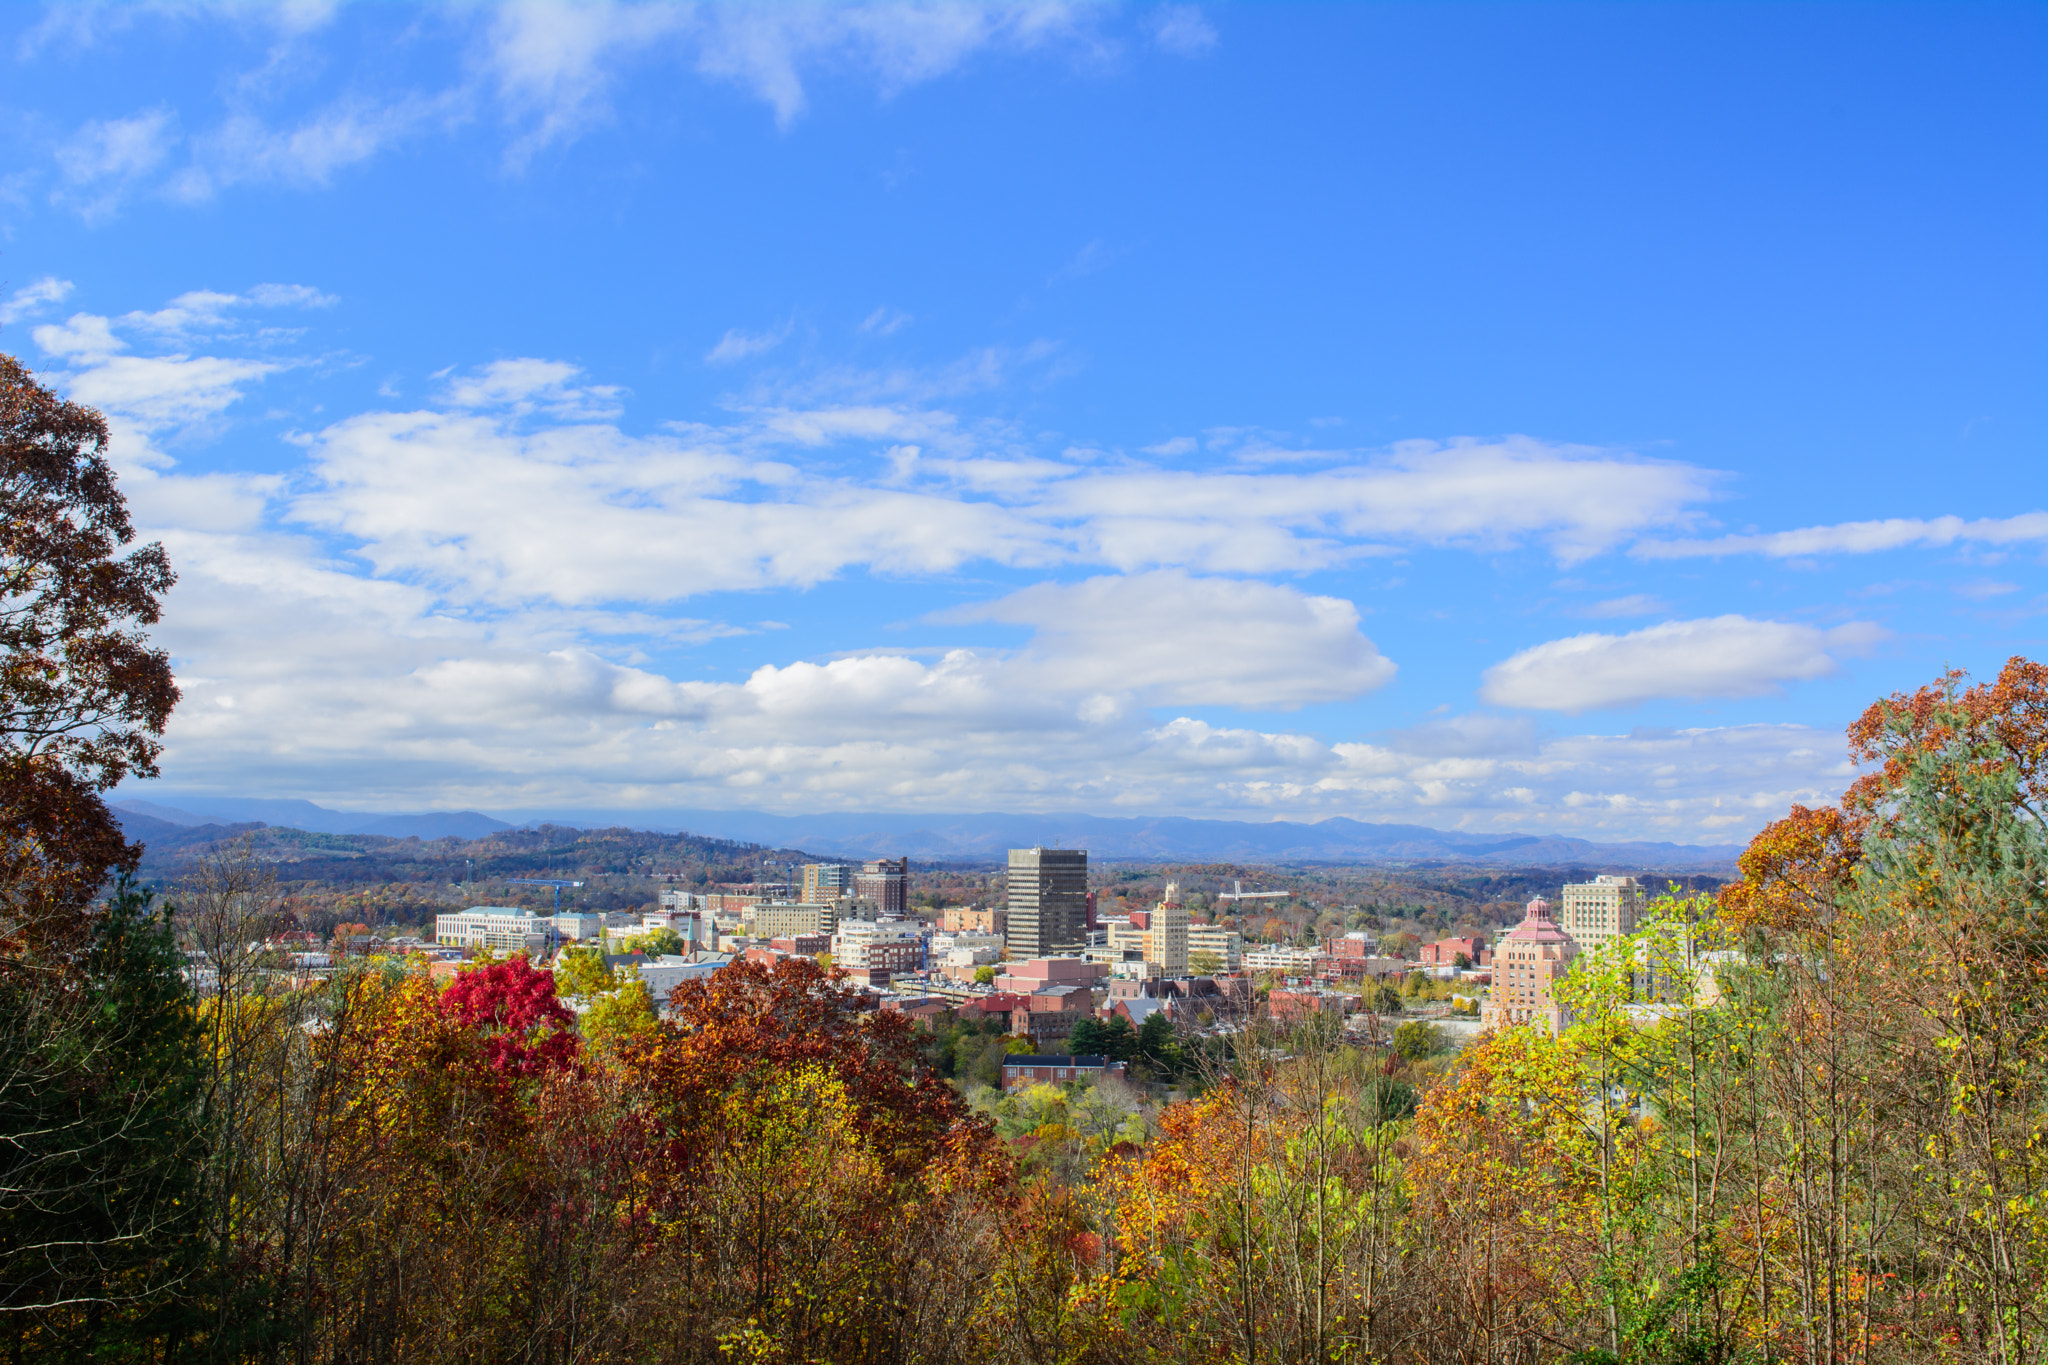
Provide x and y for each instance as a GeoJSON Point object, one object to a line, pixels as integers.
{"type": "Point", "coordinates": [1540, 417]}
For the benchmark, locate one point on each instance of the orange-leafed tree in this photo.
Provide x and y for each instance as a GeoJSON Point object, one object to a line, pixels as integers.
{"type": "Point", "coordinates": [1794, 872]}
{"type": "Point", "coordinates": [2004, 722]}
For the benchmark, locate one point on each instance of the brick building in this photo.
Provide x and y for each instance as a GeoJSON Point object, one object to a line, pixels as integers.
{"type": "Point", "coordinates": [1022, 1071]}
{"type": "Point", "coordinates": [1357, 944]}
{"type": "Point", "coordinates": [1445, 951]}
{"type": "Point", "coordinates": [1288, 1006]}
{"type": "Point", "coordinates": [886, 882]}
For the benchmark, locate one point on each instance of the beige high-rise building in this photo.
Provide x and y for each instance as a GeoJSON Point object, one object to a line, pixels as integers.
{"type": "Point", "coordinates": [1166, 941]}
{"type": "Point", "coordinates": [1596, 913]}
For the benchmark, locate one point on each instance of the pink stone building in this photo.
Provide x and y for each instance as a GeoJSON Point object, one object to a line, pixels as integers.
{"type": "Point", "coordinates": [1527, 963]}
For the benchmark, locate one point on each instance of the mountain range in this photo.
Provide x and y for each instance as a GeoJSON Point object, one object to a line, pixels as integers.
{"type": "Point", "coordinates": [986, 837]}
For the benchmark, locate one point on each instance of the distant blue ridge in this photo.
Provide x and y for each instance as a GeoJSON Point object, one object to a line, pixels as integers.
{"type": "Point", "coordinates": [987, 836]}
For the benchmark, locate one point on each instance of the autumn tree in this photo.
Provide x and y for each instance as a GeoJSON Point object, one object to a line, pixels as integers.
{"type": "Point", "coordinates": [83, 694]}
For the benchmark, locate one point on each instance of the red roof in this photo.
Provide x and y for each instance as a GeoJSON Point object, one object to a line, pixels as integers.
{"type": "Point", "coordinates": [1537, 926]}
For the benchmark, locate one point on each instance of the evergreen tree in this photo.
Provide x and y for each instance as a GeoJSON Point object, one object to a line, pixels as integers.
{"type": "Point", "coordinates": [99, 1219]}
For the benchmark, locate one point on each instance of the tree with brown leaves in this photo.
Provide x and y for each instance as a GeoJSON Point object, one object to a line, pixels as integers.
{"type": "Point", "coordinates": [83, 694]}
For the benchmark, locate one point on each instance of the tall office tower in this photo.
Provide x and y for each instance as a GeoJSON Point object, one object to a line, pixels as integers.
{"type": "Point", "coordinates": [1167, 940]}
{"type": "Point", "coordinates": [826, 882]}
{"type": "Point", "coordinates": [1048, 897]}
{"type": "Point", "coordinates": [886, 882]}
{"type": "Point", "coordinates": [1595, 913]}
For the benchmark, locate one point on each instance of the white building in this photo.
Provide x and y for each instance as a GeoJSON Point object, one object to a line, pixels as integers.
{"type": "Point", "coordinates": [851, 945]}
{"type": "Point", "coordinates": [1284, 961]}
{"type": "Point", "coordinates": [503, 928]}
{"type": "Point", "coordinates": [1226, 944]}
{"type": "Point", "coordinates": [967, 939]}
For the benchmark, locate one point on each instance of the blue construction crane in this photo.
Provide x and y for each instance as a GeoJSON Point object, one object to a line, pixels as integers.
{"type": "Point", "coordinates": [545, 881]}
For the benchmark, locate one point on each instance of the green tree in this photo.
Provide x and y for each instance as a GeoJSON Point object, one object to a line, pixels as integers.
{"type": "Point", "coordinates": [1418, 1040]}
{"type": "Point", "coordinates": [100, 1233]}
{"type": "Point", "coordinates": [582, 975]}
{"type": "Point", "coordinates": [984, 976]}
{"type": "Point", "coordinates": [656, 942]}
{"type": "Point", "coordinates": [1119, 1039]}
{"type": "Point", "coordinates": [1157, 1046]}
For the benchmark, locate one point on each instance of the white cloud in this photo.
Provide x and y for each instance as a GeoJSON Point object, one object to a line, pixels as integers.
{"type": "Point", "coordinates": [1169, 639]}
{"type": "Point", "coordinates": [525, 386]}
{"type": "Point", "coordinates": [1858, 537]}
{"type": "Point", "coordinates": [738, 345]}
{"type": "Point", "coordinates": [1467, 736]}
{"type": "Point", "coordinates": [247, 149]}
{"type": "Point", "coordinates": [1722, 656]}
{"type": "Point", "coordinates": [1466, 493]}
{"type": "Point", "coordinates": [551, 63]}
{"type": "Point", "coordinates": [545, 71]}
{"type": "Point", "coordinates": [369, 691]}
{"type": "Point", "coordinates": [163, 392]}
{"type": "Point", "coordinates": [100, 162]}
{"type": "Point", "coordinates": [290, 296]}
{"type": "Point", "coordinates": [149, 397]}
{"type": "Point", "coordinates": [1182, 30]}
{"type": "Point", "coordinates": [583, 515]}
{"type": "Point", "coordinates": [117, 149]}
{"type": "Point", "coordinates": [31, 298]}
{"type": "Point", "coordinates": [1635, 604]}
{"type": "Point", "coordinates": [457, 605]}
{"type": "Point", "coordinates": [745, 505]}
{"type": "Point", "coordinates": [766, 48]}
{"type": "Point", "coordinates": [885, 322]}
{"type": "Point", "coordinates": [553, 66]}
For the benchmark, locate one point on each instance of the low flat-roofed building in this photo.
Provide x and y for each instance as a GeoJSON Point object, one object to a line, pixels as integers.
{"type": "Point", "coordinates": [1027, 1070]}
{"type": "Point", "coordinates": [1284, 961]}
{"type": "Point", "coordinates": [1292, 1005]}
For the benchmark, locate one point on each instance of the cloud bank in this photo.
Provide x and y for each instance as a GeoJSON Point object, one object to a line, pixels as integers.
{"type": "Point", "coordinates": [459, 601]}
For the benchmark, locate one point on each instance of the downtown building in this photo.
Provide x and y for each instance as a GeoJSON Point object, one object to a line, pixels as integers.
{"type": "Point", "coordinates": [886, 882]}
{"type": "Point", "coordinates": [824, 883]}
{"type": "Point", "coordinates": [1047, 902]}
{"type": "Point", "coordinates": [1598, 912]}
{"type": "Point", "coordinates": [1528, 962]}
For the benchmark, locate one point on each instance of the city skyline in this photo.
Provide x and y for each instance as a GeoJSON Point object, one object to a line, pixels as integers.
{"type": "Point", "coordinates": [1236, 413]}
